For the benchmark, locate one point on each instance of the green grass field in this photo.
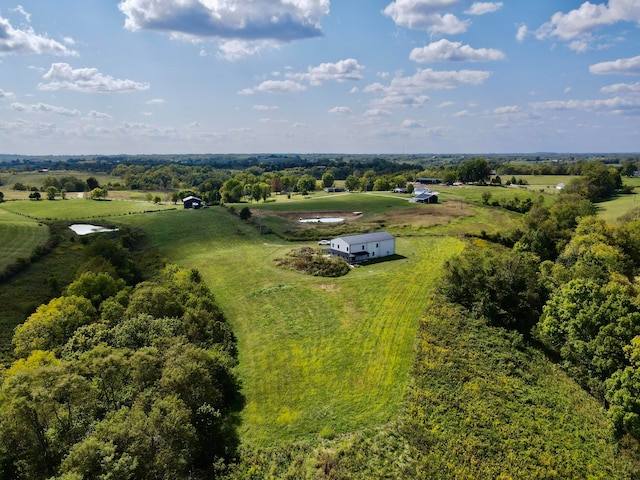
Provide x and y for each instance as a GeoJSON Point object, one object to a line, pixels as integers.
{"type": "Point", "coordinates": [318, 356]}
{"type": "Point", "coordinates": [80, 209]}
{"type": "Point", "coordinates": [19, 236]}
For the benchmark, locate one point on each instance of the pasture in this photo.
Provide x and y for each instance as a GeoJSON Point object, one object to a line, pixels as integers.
{"type": "Point", "coordinates": [80, 208]}
{"type": "Point", "coordinates": [318, 356]}
{"type": "Point", "coordinates": [19, 237]}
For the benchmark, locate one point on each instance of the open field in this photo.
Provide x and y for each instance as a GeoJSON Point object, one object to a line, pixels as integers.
{"type": "Point", "coordinates": [318, 356]}
{"type": "Point", "coordinates": [19, 237]}
{"type": "Point", "coordinates": [80, 209]}
{"type": "Point", "coordinates": [35, 178]}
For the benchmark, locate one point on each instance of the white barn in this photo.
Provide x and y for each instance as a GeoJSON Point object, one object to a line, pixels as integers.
{"type": "Point", "coordinates": [360, 248]}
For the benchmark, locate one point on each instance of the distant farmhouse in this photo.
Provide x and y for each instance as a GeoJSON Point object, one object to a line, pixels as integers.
{"type": "Point", "coordinates": [361, 248]}
{"type": "Point", "coordinates": [425, 197]}
{"type": "Point", "coordinates": [192, 202]}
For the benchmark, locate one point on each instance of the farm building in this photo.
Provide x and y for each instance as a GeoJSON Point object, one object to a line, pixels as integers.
{"type": "Point", "coordinates": [428, 181]}
{"type": "Point", "coordinates": [360, 248]}
{"type": "Point", "coordinates": [192, 202]}
{"type": "Point", "coordinates": [425, 197]}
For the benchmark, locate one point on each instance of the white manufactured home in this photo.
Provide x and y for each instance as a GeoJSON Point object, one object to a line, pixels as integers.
{"type": "Point", "coordinates": [361, 248]}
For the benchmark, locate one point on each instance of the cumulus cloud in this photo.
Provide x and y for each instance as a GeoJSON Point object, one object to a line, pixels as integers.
{"type": "Point", "coordinates": [616, 105]}
{"type": "Point", "coordinates": [377, 112]}
{"type": "Point", "coordinates": [341, 71]}
{"type": "Point", "coordinates": [507, 109]}
{"type": "Point", "coordinates": [61, 76]}
{"type": "Point", "coordinates": [156, 101]}
{"type": "Point", "coordinates": [341, 110]}
{"type": "Point", "coordinates": [4, 94]}
{"type": "Point", "coordinates": [589, 17]}
{"type": "Point", "coordinates": [27, 42]}
{"type": "Point", "coordinates": [624, 66]}
{"type": "Point", "coordinates": [264, 107]}
{"type": "Point", "coordinates": [447, 51]}
{"type": "Point", "coordinates": [233, 50]}
{"type": "Point", "coordinates": [481, 8]}
{"type": "Point", "coordinates": [44, 108]}
{"type": "Point", "coordinates": [275, 86]}
{"type": "Point", "coordinates": [522, 32]}
{"type": "Point", "coordinates": [279, 20]}
{"type": "Point", "coordinates": [621, 88]}
{"type": "Point", "coordinates": [93, 114]}
{"type": "Point", "coordinates": [409, 91]}
{"type": "Point", "coordinates": [412, 124]}
{"type": "Point", "coordinates": [424, 15]}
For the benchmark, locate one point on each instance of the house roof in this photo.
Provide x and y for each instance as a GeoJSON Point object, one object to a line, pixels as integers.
{"type": "Point", "coordinates": [366, 237]}
{"type": "Point", "coordinates": [191, 197]}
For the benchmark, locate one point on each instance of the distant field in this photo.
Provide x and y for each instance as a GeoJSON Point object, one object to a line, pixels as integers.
{"type": "Point", "coordinates": [19, 236]}
{"type": "Point", "coordinates": [35, 178]}
{"type": "Point", "coordinates": [80, 209]}
{"type": "Point", "coordinates": [317, 356]}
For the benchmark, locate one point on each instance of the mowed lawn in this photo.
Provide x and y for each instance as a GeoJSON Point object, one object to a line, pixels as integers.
{"type": "Point", "coordinates": [19, 236]}
{"type": "Point", "coordinates": [317, 356]}
{"type": "Point", "coordinates": [80, 208]}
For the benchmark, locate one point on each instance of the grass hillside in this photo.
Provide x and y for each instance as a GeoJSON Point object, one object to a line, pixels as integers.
{"type": "Point", "coordinates": [74, 209]}
{"type": "Point", "coordinates": [19, 237]}
{"type": "Point", "coordinates": [318, 356]}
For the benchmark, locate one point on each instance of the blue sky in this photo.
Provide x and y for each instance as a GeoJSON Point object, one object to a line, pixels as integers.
{"type": "Point", "coordinates": [344, 76]}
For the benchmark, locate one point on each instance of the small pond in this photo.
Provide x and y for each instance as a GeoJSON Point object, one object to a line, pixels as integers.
{"type": "Point", "coordinates": [322, 220]}
{"type": "Point", "coordinates": [86, 229]}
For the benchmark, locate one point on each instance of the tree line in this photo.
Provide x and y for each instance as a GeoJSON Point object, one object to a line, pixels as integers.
{"type": "Point", "coordinates": [567, 283]}
{"type": "Point", "coordinates": [121, 378]}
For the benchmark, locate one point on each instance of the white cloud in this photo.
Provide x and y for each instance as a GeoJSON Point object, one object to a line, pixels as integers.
{"type": "Point", "coordinates": [341, 71]}
{"type": "Point", "coordinates": [20, 9]}
{"type": "Point", "coordinates": [88, 80]}
{"type": "Point", "coordinates": [579, 46]}
{"type": "Point", "coordinates": [4, 94]}
{"type": "Point", "coordinates": [423, 15]}
{"type": "Point", "coordinates": [446, 51]}
{"type": "Point", "coordinates": [377, 112]}
{"type": "Point", "coordinates": [507, 109]}
{"type": "Point", "coordinates": [409, 91]}
{"type": "Point", "coordinates": [567, 90]}
{"type": "Point", "coordinates": [99, 115]}
{"type": "Point", "coordinates": [616, 105]}
{"type": "Point", "coordinates": [156, 101]}
{"type": "Point", "coordinates": [44, 108]}
{"type": "Point", "coordinates": [412, 124]}
{"type": "Point", "coordinates": [27, 42]}
{"type": "Point", "coordinates": [623, 66]}
{"type": "Point", "coordinates": [275, 86]}
{"type": "Point", "coordinates": [233, 50]}
{"type": "Point", "coordinates": [481, 8]}
{"type": "Point", "coordinates": [621, 88]}
{"type": "Point", "coordinates": [446, 104]}
{"type": "Point", "coordinates": [588, 17]}
{"type": "Point", "coordinates": [264, 107]}
{"type": "Point", "coordinates": [523, 30]}
{"type": "Point", "coordinates": [463, 113]}
{"type": "Point", "coordinates": [279, 20]}
{"type": "Point", "coordinates": [341, 110]}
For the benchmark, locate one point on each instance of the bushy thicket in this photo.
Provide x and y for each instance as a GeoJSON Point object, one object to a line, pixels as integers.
{"type": "Point", "coordinates": [313, 262]}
